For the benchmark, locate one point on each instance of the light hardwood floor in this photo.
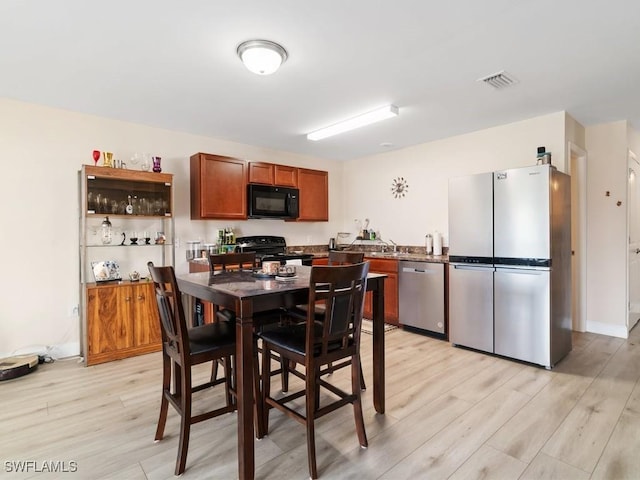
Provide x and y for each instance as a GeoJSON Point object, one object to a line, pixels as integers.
{"type": "Point", "coordinates": [451, 413]}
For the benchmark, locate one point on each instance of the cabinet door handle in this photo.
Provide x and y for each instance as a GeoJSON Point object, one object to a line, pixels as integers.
{"type": "Point", "coordinates": [127, 299]}
{"type": "Point", "coordinates": [140, 297]}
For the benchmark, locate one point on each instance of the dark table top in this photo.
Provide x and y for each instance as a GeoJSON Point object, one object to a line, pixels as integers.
{"type": "Point", "coordinates": [247, 284]}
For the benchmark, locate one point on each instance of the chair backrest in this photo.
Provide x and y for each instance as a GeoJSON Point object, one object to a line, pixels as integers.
{"type": "Point", "coordinates": [345, 258]}
{"type": "Point", "coordinates": [341, 289]}
{"type": "Point", "coordinates": [175, 337]}
{"type": "Point", "coordinates": [232, 261]}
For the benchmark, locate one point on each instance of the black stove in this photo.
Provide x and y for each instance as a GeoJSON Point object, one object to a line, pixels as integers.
{"type": "Point", "coordinates": [270, 248]}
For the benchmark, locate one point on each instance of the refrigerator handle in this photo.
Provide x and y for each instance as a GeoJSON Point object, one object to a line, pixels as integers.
{"type": "Point", "coordinates": [465, 267]}
{"type": "Point", "coordinates": [522, 271]}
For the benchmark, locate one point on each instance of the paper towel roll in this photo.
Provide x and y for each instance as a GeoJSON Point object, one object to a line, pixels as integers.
{"type": "Point", "coordinates": [437, 243]}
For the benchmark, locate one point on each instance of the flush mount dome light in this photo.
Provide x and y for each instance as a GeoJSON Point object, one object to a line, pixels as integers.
{"type": "Point", "coordinates": [262, 56]}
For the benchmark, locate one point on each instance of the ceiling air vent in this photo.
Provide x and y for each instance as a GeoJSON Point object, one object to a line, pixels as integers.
{"type": "Point", "coordinates": [499, 80]}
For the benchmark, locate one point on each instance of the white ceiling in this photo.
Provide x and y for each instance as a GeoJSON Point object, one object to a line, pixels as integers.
{"type": "Point", "coordinates": [173, 64]}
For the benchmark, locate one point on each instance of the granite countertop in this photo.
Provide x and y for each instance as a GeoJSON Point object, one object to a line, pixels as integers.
{"type": "Point", "coordinates": [416, 257]}
{"type": "Point", "coordinates": [410, 256]}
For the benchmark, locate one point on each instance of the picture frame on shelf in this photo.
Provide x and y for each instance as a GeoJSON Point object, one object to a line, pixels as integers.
{"type": "Point", "coordinates": [106, 271]}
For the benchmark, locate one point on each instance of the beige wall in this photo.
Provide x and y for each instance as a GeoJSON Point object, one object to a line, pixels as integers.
{"type": "Point", "coordinates": [607, 228]}
{"type": "Point", "coordinates": [427, 168]}
{"type": "Point", "coordinates": [42, 150]}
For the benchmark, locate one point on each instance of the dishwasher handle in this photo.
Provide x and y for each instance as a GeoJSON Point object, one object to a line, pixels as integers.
{"type": "Point", "coordinates": [418, 270]}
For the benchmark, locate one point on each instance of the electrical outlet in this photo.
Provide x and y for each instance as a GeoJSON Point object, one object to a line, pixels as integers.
{"type": "Point", "coordinates": [75, 310]}
{"type": "Point", "coordinates": [308, 239]}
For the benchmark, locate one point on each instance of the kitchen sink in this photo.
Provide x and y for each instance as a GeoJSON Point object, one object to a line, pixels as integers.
{"type": "Point", "coordinates": [388, 254]}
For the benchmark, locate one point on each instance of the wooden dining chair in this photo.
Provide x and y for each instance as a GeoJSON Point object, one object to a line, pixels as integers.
{"type": "Point", "coordinates": [230, 262]}
{"type": "Point", "coordinates": [299, 312]}
{"type": "Point", "coordinates": [183, 347]}
{"type": "Point", "coordinates": [315, 344]}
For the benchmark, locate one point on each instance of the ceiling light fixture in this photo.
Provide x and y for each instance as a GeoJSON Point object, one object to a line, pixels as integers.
{"type": "Point", "coordinates": [262, 56]}
{"type": "Point", "coordinates": [376, 115]}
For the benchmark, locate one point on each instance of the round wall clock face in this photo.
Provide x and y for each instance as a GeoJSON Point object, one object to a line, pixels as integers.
{"type": "Point", "coordinates": [399, 187]}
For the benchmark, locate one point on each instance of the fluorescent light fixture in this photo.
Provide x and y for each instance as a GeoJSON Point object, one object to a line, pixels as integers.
{"type": "Point", "coordinates": [374, 116]}
{"type": "Point", "coordinates": [262, 57]}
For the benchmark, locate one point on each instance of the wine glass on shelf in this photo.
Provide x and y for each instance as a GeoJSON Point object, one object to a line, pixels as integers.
{"type": "Point", "coordinates": [146, 162]}
{"type": "Point", "coordinates": [135, 159]}
{"type": "Point", "coordinates": [96, 157]}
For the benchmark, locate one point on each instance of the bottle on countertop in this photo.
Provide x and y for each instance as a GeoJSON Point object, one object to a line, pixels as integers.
{"type": "Point", "coordinates": [428, 243]}
{"type": "Point", "coordinates": [437, 243]}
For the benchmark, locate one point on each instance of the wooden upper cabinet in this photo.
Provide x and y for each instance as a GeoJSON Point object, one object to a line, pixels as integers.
{"type": "Point", "coordinates": [314, 195]}
{"type": "Point", "coordinates": [285, 176]}
{"type": "Point", "coordinates": [273, 174]}
{"type": "Point", "coordinates": [218, 187]}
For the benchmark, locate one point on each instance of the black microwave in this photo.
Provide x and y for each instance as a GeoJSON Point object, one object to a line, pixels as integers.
{"type": "Point", "coordinates": [266, 201]}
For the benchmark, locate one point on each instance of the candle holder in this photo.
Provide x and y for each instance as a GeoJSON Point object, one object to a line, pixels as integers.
{"type": "Point", "coordinates": [156, 164]}
{"type": "Point", "coordinates": [108, 159]}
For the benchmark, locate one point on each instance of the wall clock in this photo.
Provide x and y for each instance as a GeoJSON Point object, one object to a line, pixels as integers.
{"type": "Point", "coordinates": [399, 187]}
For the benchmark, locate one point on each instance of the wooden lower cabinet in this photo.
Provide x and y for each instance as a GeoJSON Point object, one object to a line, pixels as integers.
{"type": "Point", "coordinates": [390, 268]}
{"type": "Point", "coordinates": [122, 321]}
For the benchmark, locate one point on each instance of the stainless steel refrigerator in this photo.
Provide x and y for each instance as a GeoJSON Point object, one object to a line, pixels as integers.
{"type": "Point", "coordinates": [510, 263]}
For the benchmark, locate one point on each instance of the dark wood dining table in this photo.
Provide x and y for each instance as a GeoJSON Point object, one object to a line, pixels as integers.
{"type": "Point", "coordinates": [246, 294]}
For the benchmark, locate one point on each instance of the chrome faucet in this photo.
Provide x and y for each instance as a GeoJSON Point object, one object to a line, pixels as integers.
{"type": "Point", "coordinates": [385, 244]}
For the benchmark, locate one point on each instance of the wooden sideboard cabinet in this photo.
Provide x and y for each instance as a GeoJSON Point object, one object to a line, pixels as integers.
{"type": "Point", "coordinates": [273, 174]}
{"type": "Point", "coordinates": [314, 195]}
{"type": "Point", "coordinates": [119, 318]}
{"type": "Point", "coordinates": [218, 187]}
{"type": "Point", "coordinates": [122, 321]}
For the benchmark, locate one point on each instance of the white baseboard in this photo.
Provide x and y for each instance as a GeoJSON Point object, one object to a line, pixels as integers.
{"type": "Point", "coordinates": [609, 329]}
{"type": "Point", "coordinates": [65, 350]}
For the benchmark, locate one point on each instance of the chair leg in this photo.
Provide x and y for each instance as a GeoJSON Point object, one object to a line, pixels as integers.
{"type": "Point", "coordinates": [356, 372]}
{"type": "Point", "coordinates": [284, 375]}
{"type": "Point", "coordinates": [185, 421]}
{"type": "Point", "coordinates": [214, 371]}
{"type": "Point", "coordinates": [164, 403]}
{"type": "Point", "coordinates": [257, 395]}
{"type": "Point", "coordinates": [227, 380]}
{"type": "Point", "coordinates": [313, 390]}
{"type": "Point", "coordinates": [363, 386]}
{"type": "Point", "coordinates": [266, 387]}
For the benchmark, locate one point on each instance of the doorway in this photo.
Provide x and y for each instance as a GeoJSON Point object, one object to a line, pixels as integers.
{"type": "Point", "coordinates": [578, 172]}
{"type": "Point", "coordinates": [633, 228]}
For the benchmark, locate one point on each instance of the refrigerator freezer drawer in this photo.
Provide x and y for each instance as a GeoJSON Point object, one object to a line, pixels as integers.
{"type": "Point", "coordinates": [522, 315]}
{"type": "Point", "coordinates": [471, 306]}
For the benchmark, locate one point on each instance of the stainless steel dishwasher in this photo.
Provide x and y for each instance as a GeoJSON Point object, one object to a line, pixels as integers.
{"type": "Point", "coordinates": [421, 295]}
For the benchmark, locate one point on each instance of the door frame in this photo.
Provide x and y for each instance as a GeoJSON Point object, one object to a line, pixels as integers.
{"type": "Point", "coordinates": [578, 166]}
{"type": "Point", "coordinates": [631, 157]}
